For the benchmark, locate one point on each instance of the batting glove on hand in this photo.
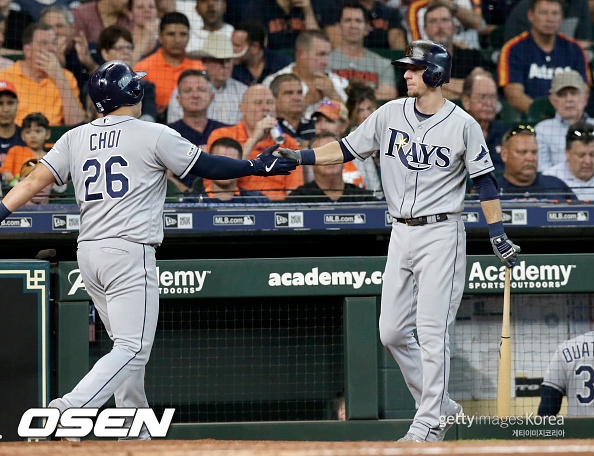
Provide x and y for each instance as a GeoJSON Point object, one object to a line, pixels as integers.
{"type": "Point", "coordinates": [289, 154]}
{"type": "Point", "coordinates": [267, 164]}
{"type": "Point", "coordinates": [505, 250]}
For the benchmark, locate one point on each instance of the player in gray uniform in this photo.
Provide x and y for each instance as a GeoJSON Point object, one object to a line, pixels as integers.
{"type": "Point", "coordinates": [570, 373]}
{"type": "Point", "coordinates": [427, 145]}
{"type": "Point", "coordinates": [118, 165]}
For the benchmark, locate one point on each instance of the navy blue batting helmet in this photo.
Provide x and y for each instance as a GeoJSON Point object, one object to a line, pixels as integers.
{"type": "Point", "coordinates": [115, 84]}
{"type": "Point", "coordinates": [432, 55]}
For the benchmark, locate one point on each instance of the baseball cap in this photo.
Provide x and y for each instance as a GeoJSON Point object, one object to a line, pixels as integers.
{"type": "Point", "coordinates": [569, 78]}
{"type": "Point", "coordinates": [7, 86]}
{"type": "Point", "coordinates": [333, 110]}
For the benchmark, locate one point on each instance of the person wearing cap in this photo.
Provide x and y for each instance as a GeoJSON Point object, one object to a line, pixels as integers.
{"type": "Point", "coordinates": [520, 179]}
{"type": "Point", "coordinates": [165, 66]}
{"type": "Point", "coordinates": [569, 96]}
{"type": "Point", "coordinates": [577, 171]}
{"type": "Point", "coordinates": [528, 62]}
{"type": "Point", "coordinates": [10, 133]}
{"type": "Point", "coordinates": [217, 56]}
{"type": "Point", "coordinates": [253, 133]}
{"type": "Point", "coordinates": [331, 116]}
{"type": "Point", "coordinates": [42, 84]}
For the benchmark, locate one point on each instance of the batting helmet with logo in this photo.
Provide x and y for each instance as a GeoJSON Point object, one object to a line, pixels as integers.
{"type": "Point", "coordinates": [115, 84]}
{"type": "Point", "coordinates": [432, 55]}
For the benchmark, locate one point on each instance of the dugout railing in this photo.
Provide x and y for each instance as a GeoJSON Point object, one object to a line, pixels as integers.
{"type": "Point", "coordinates": [258, 348]}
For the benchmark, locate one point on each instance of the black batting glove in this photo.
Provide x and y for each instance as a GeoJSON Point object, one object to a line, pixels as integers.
{"type": "Point", "coordinates": [267, 164]}
{"type": "Point", "coordinates": [505, 250]}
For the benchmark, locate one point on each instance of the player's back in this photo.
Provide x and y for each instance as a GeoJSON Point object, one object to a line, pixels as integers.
{"type": "Point", "coordinates": [120, 182]}
{"type": "Point", "coordinates": [572, 369]}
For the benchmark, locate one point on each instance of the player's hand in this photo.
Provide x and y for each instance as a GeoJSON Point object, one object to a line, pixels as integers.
{"type": "Point", "coordinates": [505, 250]}
{"type": "Point", "coordinates": [290, 154]}
{"type": "Point", "coordinates": [267, 164]}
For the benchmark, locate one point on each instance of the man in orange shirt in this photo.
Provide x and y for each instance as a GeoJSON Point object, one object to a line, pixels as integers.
{"type": "Point", "coordinates": [166, 65]}
{"type": "Point", "coordinates": [253, 132]}
{"type": "Point", "coordinates": [43, 85]}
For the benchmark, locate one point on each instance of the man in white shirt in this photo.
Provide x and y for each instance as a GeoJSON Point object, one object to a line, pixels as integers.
{"type": "Point", "coordinates": [206, 18]}
{"type": "Point", "coordinates": [569, 97]}
{"type": "Point", "coordinates": [578, 170]}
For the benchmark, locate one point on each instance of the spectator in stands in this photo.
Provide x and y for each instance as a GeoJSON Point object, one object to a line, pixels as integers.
{"type": "Point", "coordinates": [286, 19]}
{"type": "Point", "coordinates": [92, 17]}
{"type": "Point", "coordinates": [115, 43]}
{"type": "Point", "coordinates": [44, 194]}
{"type": "Point", "coordinates": [332, 116]}
{"type": "Point", "coordinates": [467, 20]}
{"type": "Point", "coordinates": [290, 108]}
{"type": "Point", "coordinates": [195, 96]}
{"type": "Point", "coordinates": [520, 179]}
{"type": "Point", "coordinates": [439, 27]}
{"type": "Point", "coordinates": [164, 7]}
{"type": "Point", "coordinates": [4, 62]}
{"type": "Point", "coordinates": [228, 191]}
{"type": "Point", "coordinates": [145, 28]}
{"type": "Point", "coordinates": [479, 99]}
{"type": "Point", "coordinates": [351, 60]}
{"type": "Point", "coordinates": [35, 7]}
{"type": "Point", "coordinates": [258, 61]}
{"type": "Point", "coordinates": [386, 29]}
{"type": "Point", "coordinates": [529, 61]}
{"type": "Point", "coordinates": [569, 96]}
{"type": "Point", "coordinates": [16, 22]}
{"type": "Point", "coordinates": [73, 53]}
{"type": "Point", "coordinates": [361, 103]}
{"type": "Point", "coordinates": [576, 23]}
{"type": "Point", "coordinates": [10, 133]}
{"type": "Point", "coordinates": [217, 56]}
{"type": "Point", "coordinates": [43, 85]}
{"type": "Point", "coordinates": [210, 14]}
{"type": "Point", "coordinates": [166, 65]}
{"type": "Point", "coordinates": [328, 185]}
{"type": "Point", "coordinates": [312, 50]}
{"type": "Point", "coordinates": [577, 171]}
{"type": "Point", "coordinates": [253, 133]}
{"type": "Point", "coordinates": [35, 132]}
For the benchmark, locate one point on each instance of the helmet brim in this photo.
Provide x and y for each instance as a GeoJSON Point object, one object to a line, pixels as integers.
{"type": "Point", "coordinates": [408, 61]}
{"type": "Point", "coordinates": [139, 74]}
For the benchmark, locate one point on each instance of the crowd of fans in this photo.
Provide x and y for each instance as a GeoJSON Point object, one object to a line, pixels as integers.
{"type": "Point", "coordinates": [234, 77]}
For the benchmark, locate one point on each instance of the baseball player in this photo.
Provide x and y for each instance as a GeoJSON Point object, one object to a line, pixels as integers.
{"type": "Point", "coordinates": [118, 165]}
{"type": "Point", "coordinates": [427, 145]}
{"type": "Point", "coordinates": [570, 373]}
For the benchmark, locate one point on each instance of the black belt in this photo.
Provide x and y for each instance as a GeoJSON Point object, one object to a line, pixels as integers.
{"type": "Point", "coordinates": [419, 221]}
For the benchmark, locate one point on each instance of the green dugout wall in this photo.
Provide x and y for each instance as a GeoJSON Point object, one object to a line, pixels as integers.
{"type": "Point", "coordinates": [373, 386]}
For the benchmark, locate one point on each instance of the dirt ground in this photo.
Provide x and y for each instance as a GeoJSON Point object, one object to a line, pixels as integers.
{"type": "Point", "coordinates": [278, 448]}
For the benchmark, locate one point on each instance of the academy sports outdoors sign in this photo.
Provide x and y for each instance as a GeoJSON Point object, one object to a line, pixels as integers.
{"type": "Point", "coordinates": [338, 276]}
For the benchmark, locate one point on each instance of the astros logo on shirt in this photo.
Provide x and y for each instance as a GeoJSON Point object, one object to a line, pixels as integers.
{"type": "Point", "coordinates": [417, 156]}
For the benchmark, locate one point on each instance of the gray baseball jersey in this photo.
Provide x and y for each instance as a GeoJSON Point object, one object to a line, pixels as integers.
{"type": "Point", "coordinates": [118, 165]}
{"type": "Point", "coordinates": [423, 164]}
{"type": "Point", "coordinates": [571, 371]}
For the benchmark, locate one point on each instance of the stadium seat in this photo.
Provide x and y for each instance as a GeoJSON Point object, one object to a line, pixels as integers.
{"type": "Point", "coordinates": [508, 115]}
{"type": "Point", "coordinates": [540, 109]}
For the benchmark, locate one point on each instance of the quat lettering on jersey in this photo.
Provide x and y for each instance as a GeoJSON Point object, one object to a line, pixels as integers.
{"type": "Point", "coordinates": [104, 140]}
{"type": "Point", "coordinates": [531, 276]}
{"type": "Point", "coordinates": [417, 156]}
{"type": "Point", "coordinates": [315, 278]}
{"type": "Point", "coordinates": [578, 351]}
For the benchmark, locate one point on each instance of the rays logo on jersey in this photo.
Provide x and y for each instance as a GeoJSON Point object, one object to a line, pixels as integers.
{"type": "Point", "coordinates": [482, 154]}
{"type": "Point", "coordinates": [417, 156]}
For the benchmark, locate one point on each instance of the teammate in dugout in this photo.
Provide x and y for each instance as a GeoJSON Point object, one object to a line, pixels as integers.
{"type": "Point", "coordinates": [118, 165]}
{"type": "Point", "coordinates": [427, 145]}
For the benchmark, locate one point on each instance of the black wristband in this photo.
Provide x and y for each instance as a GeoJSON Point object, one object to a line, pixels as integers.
{"type": "Point", "coordinates": [308, 157]}
{"type": "Point", "coordinates": [4, 212]}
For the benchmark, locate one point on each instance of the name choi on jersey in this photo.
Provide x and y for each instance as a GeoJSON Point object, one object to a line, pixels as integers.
{"type": "Point", "coordinates": [417, 156]}
{"type": "Point", "coordinates": [105, 140]}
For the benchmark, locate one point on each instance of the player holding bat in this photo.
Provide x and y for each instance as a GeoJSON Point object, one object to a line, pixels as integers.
{"type": "Point", "coordinates": [427, 145]}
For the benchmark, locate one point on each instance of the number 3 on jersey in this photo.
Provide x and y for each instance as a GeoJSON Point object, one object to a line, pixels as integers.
{"type": "Point", "coordinates": [116, 184]}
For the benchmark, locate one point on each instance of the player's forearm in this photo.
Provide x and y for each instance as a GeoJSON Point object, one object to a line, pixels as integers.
{"type": "Point", "coordinates": [329, 154]}
{"type": "Point", "coordinates": [492, 211]}
{"type": "Point", "coordinates": [39, 178]}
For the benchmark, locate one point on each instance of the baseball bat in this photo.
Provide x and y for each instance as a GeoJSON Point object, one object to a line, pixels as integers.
{"type": "Point", "coordinates": [504, 375]}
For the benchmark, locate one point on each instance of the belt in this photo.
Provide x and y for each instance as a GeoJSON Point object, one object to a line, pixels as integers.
{"type": "Point", "coordinates": [419, 221]}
